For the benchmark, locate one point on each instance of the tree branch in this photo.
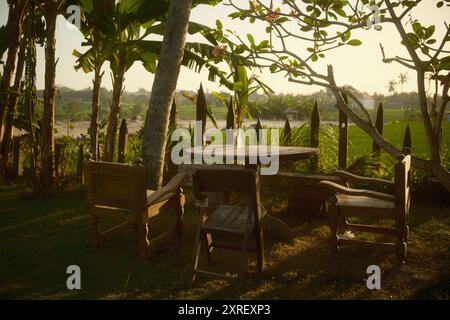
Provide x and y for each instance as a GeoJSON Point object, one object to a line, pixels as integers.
{"type": "Point", "coordinates": [396, 59]}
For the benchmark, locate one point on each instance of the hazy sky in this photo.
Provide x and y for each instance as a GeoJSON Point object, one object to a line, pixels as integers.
{"type": "Point", "coordinates": [360, 66]}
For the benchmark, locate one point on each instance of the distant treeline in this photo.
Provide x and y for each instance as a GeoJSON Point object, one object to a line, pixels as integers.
{"type": "Point", "coordinates": [75, 105]}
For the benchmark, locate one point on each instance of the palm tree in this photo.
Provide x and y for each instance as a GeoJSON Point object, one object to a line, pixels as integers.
{"type": "Point", "coordinates": [391, 86]}
{"type": "Point", "coordinates": [402, 79]}
{"type": "Point", "coordinates": [163, 91]}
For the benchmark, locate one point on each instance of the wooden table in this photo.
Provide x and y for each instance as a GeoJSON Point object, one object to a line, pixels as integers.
{"type": "Point", "coordinates": [271, 223]}
{"type": "Point", "coordinates": [249, 152]}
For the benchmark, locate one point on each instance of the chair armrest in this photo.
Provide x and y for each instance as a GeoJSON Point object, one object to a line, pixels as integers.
{"type": "Point", "coordinates": [171, 187]}
{"type": "Point", "coordinates": [356, 192]}
{"type": "Point", "coordinates": [350, 177]}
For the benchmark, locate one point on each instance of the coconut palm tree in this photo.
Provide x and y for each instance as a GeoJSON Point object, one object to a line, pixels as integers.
{"type": "Point", "coordinates": [402, 79]}
{"type": "Point", "coordinates": [391, 86]}
{"type": "Point", "coordinates": [163, 90]}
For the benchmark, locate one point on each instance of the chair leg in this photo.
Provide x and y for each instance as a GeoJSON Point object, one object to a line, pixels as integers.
{"type": "Point", "coordinates": [179, 207]}
{"type": "Point", "coordinates": [334, 226]}
{"type": "Point", "coordinates": [244, 259]}
{"type": "Point", "coordinates": [401, 252]}
{"type": "Point", "coordinates": [143, 236]}
{"type": "Point", "coordinates": [198, 246]}
{"type": "Point", "coordinates": [260, 251]}
{"type": "Point", "coordinates": [95, 233]}
{"type": "Point", "coordinates": [207, 241]}
{"type": "Point", "coordinates": [402, 235]}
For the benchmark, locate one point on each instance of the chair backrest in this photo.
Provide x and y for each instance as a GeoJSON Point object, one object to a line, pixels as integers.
{"type": "Point", "coordinates": [402, 174]}
{"type": "Point", "coordinates": [229, 179]}
{"type": "Point", "coordinates": [114, 185]}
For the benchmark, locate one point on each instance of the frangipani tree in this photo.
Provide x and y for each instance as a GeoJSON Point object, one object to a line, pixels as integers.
{"type": "Point", "coordinates": [319, 26]}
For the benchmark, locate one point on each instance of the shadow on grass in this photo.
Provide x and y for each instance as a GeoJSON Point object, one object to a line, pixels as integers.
{"type": "Point", "coordinates": [41, 237]}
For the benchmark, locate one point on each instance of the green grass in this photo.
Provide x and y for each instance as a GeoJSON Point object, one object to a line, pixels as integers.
{"type": "Point", "coordinates": [361, 143]}
{"type": "Point", "coordinates": [390, 115]}
{"type": "Point", "coordinates": [40, 237]}
{"type": "Point", "coordinates": [188, 112]}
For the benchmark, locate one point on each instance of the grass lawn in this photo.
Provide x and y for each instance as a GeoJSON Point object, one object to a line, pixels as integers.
{"type": "Point", "coordinates": [40, 237]}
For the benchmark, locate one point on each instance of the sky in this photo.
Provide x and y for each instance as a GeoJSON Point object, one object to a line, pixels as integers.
{"type": "Point", "coordinates": [360, 67]}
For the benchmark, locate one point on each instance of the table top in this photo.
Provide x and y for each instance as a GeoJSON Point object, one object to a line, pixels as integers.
{"type": "Point", "coordinates": [249, 151]}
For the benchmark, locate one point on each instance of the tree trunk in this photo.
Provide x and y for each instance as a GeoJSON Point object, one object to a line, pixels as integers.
{"type": "Point", "coordinates": [48, 138]}
{"type": "Point", "coordinates": [12, 111]}
{"type": "Point", "coordinates": [111, 133]}
{"type": "Point", "coordinates": [163, 90]}
{"type": "Point", "coordinates": [95, 110]}
{"type": "Point", "coordinates": [14, 19]}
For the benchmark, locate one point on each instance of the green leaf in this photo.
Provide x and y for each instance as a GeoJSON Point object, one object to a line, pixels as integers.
{"type": "Point", "coordinates": [251, 39]}
{"type": "Point", "coordinates": [341, 12]}
{"type": "Point", "coordinates": [347, 36]}
{"type": "Point", "coordinates": [354, 42]}
{"type": "Point", "coordinates": [417, 27]}
{"type": "Point", "coordinates": [219, 24]}
{"type": "Point", "coordinates": [429, 31]}
{"type": "Point", "coordinates": [273, 67]}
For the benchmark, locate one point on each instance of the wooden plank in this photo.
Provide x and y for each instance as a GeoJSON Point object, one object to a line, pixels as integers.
{"type": "Point", "coordinates": [170, 188]}
{"type": "Point", "coordinates": [353, 178]}
{"type": "Point", "coordinates": [224, 179]}
{"type": "Point", "coordinates": [365, 212]}
{"type": "Point", "coordinates": [216, 275]}
{"type": "Point", "coordinates": [232, 246]}
{"type": "Point", "coordinates": [287, 134]}
{"type": "Point", "coordinates": [297, 185]}
{"type": "Point", "coordinates": [407, 141]}
{"type": "Point", "coordinates": [383, 246]}
{"type": "Point", "coordinates": [368, 228]}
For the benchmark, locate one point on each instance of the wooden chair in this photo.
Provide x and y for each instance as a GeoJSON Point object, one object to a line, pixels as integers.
{"type": "Point", "coordinates": [348, 202]}
{"type": "Point", "coordinates": [117, 191]}
{"type": "Point", "coordinates": [235, 227]}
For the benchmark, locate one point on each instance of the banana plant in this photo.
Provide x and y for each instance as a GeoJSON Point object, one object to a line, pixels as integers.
{"type": "Point", "coordinates": [242, 88]}
{"type": "Point", "coordinates": [94, 27]}
{"type": "Point", "coordinates": [122, 42]}
{"type": "Point", "coordinates": [237, 80]}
